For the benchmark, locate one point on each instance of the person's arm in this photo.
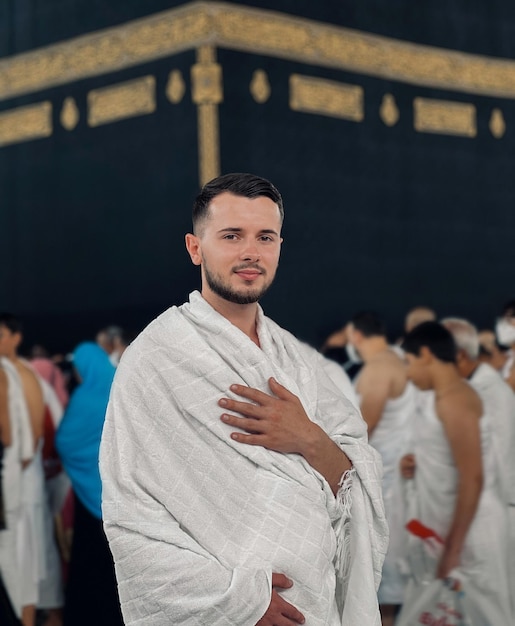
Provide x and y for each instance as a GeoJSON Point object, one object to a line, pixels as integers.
{"type": "Point", "coordinates": [5, 424]}
{"type": "Point", "coordinates": [511, 378]}
{"type": "Point", "coordinates": [279, 422]}
{"type": "Point", "coordinates": [460, 419]}
{"type": "Point", "coordinates": [374, 390]}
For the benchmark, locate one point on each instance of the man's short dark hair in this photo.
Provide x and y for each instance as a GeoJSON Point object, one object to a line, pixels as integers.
{"type": "Point", "coordinates": [245, 185]}
{"type": "Point", "coordinates": [369, 324]}
{"type": "Point", "coordinates": [433, 336]}
{"type": "Point", "coordinates": [11, 322]}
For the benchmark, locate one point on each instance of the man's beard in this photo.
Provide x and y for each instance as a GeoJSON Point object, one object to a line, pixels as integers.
{"type": "Point", "coordinates": [225, 291]}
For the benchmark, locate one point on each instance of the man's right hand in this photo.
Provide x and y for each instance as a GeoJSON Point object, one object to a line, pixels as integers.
{"type": "Point", "coordinates": [408, 466]}
{"type": "Point", "coordinates": [280, 612]}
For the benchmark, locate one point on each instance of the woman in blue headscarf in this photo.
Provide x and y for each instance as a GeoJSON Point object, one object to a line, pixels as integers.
{"type": "Point", "coordinates": [91, 594]}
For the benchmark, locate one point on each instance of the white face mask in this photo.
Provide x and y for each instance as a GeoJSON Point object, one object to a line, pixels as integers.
{"type": "Point", "coordinates": [353, 353]}
{"type": "Point", "coordinates": [505, 332]}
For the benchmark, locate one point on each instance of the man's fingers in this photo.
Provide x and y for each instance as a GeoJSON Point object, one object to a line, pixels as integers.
{"type": "Point", "coordinates": [280, 612]}
{"type": "Point", "coordinates": [286, 610]}
{"type": "Point", "coordinates": [282, 581]}
{"type": "Point", "coordinates": [281, 392]}
{"type": "Point", "coordinates": [250, 393]}
{"type": "Point", "coordinates": [245, 423]}
{"type": "Point", "coordinates": [245, 408]}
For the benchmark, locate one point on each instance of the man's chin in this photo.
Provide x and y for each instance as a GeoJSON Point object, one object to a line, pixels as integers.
{"type": "Point", "coordinates": [243, 297]}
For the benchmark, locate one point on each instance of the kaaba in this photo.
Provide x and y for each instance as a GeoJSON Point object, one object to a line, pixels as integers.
{"type": "Point", "coordinates": [387, 127]}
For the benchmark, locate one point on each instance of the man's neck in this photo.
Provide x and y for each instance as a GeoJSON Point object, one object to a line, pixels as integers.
{"type": "Point", "coordinates": [371, 347]}
{"type": "Point", "coordinates": [243, 316]}
{"type": "Point", "coordinates": [469, 367]}
{"type": "Point", "coordinates": [12, 357]}
{"type": "Point", "coordinates": [444, 376]}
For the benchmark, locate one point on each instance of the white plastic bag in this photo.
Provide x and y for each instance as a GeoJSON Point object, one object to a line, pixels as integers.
{"type": "Point", "coordinates": [437, 603]}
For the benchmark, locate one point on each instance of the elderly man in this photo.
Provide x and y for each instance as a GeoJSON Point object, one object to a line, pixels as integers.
{"type": "Point", "coordinates": [238, 485]}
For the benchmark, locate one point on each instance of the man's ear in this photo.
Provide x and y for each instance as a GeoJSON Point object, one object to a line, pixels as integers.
{"type": "Point", "coordinates": [194, 249]}
{"type": "Point", "coordinates": [426, 355]}
{"type": "Point", "coordinates": [18, 338]}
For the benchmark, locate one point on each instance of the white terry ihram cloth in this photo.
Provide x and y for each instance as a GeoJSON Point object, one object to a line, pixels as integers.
{"type": "Point", "coordinates": [197, 522]}
{"type": "Point", "coordinates": [432, 500]}
{"type": "Point", "coordinates": [20, 450]}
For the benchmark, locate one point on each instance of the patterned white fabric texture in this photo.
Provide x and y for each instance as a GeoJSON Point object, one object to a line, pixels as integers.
{"type": "Point", "coordinates": [21, 449]}
{"type": "Point", "coordinates": [197, 522]}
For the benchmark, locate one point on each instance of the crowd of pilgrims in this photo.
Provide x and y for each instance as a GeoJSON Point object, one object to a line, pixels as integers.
{"type": "Point", "coordinates": [55, 563]}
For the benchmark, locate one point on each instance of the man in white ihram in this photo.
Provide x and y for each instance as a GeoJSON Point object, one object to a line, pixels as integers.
{"type": "Point", "coordinates": [238, 485]}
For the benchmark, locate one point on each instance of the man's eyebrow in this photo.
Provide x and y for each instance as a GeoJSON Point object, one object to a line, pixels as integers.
{"type": "Point", "coordinates": [234, 229]}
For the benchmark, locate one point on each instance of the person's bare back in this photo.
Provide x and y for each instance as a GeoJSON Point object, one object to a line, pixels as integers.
{"type": "Point", "coordinates": [33, 397]}
{"type": "Point", "coordinates": [382, 378]}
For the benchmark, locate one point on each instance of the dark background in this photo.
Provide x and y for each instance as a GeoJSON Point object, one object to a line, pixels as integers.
{"type": "Point", "coordinates": [93, 220]}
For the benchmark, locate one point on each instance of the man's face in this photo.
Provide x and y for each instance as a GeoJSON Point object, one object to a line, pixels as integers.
{"type": "Point", "coordinates": [238, 248]}
{"type": "Point", "coordinates": [9, 341]}
{"type": "Point", "coordinates": [417, 371]}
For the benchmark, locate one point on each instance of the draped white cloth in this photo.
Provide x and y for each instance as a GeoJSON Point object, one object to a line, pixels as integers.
{"type": "Point", "coordinates": [499, 404]}
{"type": "Point", "coordinates": [50, 584]}
{"type": "Point", "coordinates": [390, 438]}
{"type": "Point", "coordinates": [341, 379]}
{"type": "Point", "coordinates": [20, 450]}
{"type": "Point", "coordinates": [197, 523]}
{"type": "Point", "coordinates": [432, 499]}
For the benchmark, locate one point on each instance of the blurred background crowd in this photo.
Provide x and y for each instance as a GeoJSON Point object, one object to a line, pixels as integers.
{"type": "Point", "coordinates": [54, 553]}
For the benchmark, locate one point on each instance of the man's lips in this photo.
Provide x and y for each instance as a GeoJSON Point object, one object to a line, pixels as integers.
{"type": "Point", "coordinates": [248, 274]}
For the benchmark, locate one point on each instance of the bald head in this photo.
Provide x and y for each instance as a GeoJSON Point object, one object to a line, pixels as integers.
{"type": "Point", "coordinates": [417, 316]}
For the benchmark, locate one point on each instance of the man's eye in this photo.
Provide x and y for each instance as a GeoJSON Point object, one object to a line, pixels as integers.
{"type": "Point", "coordinates": [266, 238]}
{"type": "Point", "coordinates": [230, 236]}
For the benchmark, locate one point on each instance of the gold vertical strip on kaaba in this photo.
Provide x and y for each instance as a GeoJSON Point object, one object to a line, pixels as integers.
{"type": "Point", "coordinates": [123, 100]}
{"type": "Point", "coordinates": [25, 123]}
{"type": "Point", "coordinates": [207, 93]}
{"type": "Point", "coordinates": [444, 117]}
{"type": "Point", "coordinates": [326, 97]}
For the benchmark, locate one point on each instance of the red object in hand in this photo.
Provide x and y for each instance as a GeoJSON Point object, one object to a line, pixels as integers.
{"type": "Point", "coordinates": [415, 527]}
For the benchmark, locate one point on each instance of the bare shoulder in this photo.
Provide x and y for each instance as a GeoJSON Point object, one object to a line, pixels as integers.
{"type": "Point", "coordinates": [459, 403]}
{"type": "Point", "coordinates": [3, 379]}
{"type": "Point", "coordinates": [29, 380]}
{"type": "Point", "coordinates": [373, 371]}
{"type": "Point", "coordinates": [383, 376]}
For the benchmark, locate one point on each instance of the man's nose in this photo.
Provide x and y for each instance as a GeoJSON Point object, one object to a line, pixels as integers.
{"type": "Point", "coordinates": [250, 251]}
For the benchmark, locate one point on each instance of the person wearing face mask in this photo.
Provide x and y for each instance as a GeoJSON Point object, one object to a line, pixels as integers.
{"type": "Point", "coordinates": [337, 348]}
{"type": "Point", "coordinates": [505, 332]}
